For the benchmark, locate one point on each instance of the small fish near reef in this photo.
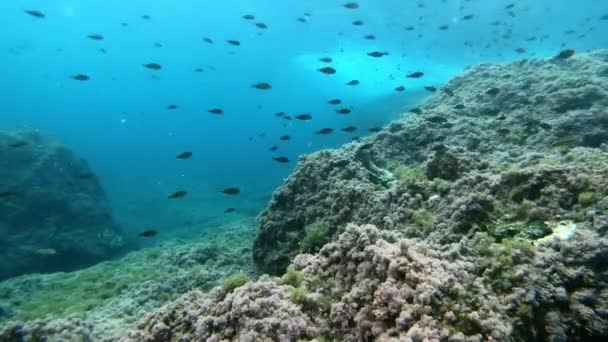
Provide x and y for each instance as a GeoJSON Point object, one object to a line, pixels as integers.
{"type": "Point", "coordinates": [328, 70]}
{"type": "Point", "coordinates": [229, 210]}
{"type": "Point", "coordinates": [325, 131]}
{"type": "Point", "coordinates": [231, 191]}
{"type": "Point", "coordinates": [416, 74]}
{"type": "Point", "coordinates": [45, 251]}
{"type": "Point", "coordinates": [148, 233]}
{"type": "Point", "coordinates": [18, 144]}
{"type": "Point", "coordinates": [565, 54]}
{"type": "Point", "coordinates": [178, 194]}
{"type": "Point", "coordinates": [281, 159]}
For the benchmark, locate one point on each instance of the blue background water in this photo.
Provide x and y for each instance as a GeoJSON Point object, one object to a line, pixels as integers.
{"type": "Point", "coordinates": [119, 120]}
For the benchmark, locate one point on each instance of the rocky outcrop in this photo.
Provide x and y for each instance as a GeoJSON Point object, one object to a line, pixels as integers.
{"type": "Point", "coordinates": [501, 145]}
{"type": "Point", "coordinates": [53, 212]}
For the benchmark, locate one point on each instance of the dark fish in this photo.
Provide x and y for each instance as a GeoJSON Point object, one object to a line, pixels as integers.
{"type": "Point", "coordinates": [416, 110]}
{"type": "Point", "coordinates": [18, 144]}
{"type": "Point", "coordinates": [431, 89]}
{"type": "Point", "coordinates": [81, 77]}
{"type": "Point", "coordinates": [152, 66]}
{"type": "Point", "coordinates": [273, 148]}
{"type": "Point", "coordinates": [184, 155]}
{"type": "Point", "coordinates": [172, 107]}
{"type": "Point", "coordinates": [199, 70]}
{"type": "Point", "coordinates": [208, 40]}
{"type": "Point", "coordinates": [604, 17]}
{"type": "Point", "coordinates": [358, 22]}
{"type": "Point", "coordinates": [324, 131]}
{"type": "Point", "coordinates": [95, 36]}
{"type": "Point", "coordinates": [279, 114]}
{"type": "Point", "coordinates": [302, 19]}
{"type": "Point", "coordinates": [326, 59]}
{"type": "Point", "coordinates": [467, 17]}
{"type": "Point", "coordinates": [509, 6]}
{"type": "Point", "coordinates": [353, 83]}
{"type": "Point", "coordinates": [565, 54]}
{"type": "Point", "coordinates": [233, 42]}
{"type": "Point", "coordinates": [281, 159]}
{"type": "Point", "coordinates": [351, 5]}
{"type": "Point", "coordinates": [261, 25]}
{"type": "Point", "coordinates": [409, 28]}
{"type": "Point", "coordinates": [158, 45]}
{"type": "Point", "coordinates": [374, 129]}
{"type": "Point", "coordinates": [262, 86]}
{"type": "Point", "coordinates": [377, 54]}
{"type": "Point", "coordinates": [178, 194]}
{"type": "Point", "coordinates": [305, 116]}
{"type": "Point", "coordinates": [145, 17]}
{"type": "Point", "coordinates": [285, 138]}
{"type": "Point", "coordinates": [287, 117]}
{"type": "Point", "coordinates": [493, 91]}
{"type": "Point", "coordinates": [216, 111]}
{"type": "Point", "coordinates": [35, 13]}
{"type": "Point", "coordinates": [520, 50]}
{"type": "Point", "coordinates": [327, 70]}
{"type": "Point", "coordinates": [124, 24]}
{"type": "Point", "coordinates": [448, 92]}
{"type": "Point", "coordinates": [148, 233]}
{"type": "Point", "coordinates": [349, 129]}
{"type": "Point", "coordinates": [343, 111]}
{"type": "Point", "coordinates": [370, 37]}
{"type": "Point", "coordinates": [444, 27]}
{"type": "Point", "coordinates": [102, 50]}
{"type": "Point", "coordinates": [400, 88]}
{"type": "Point", "coordinates": [248, 17]}
{"type": "Point", "coordinates": [334, 102]}
{"type": "Point", "coordinates": [229, 210]}
{"type": "Point", "coordinates": [416, 74]}
{"type": "Point", "coordinates": [231, 191]}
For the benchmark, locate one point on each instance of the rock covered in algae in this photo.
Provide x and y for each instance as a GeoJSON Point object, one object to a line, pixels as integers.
{"type": "Point", "coordinates": [53, 213]}
{"type": "Point", "coordinates": [500, 147]}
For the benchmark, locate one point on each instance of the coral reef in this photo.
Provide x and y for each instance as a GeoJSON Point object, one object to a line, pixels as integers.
{"type": "Point", "coordinates": [53, 212]}
{"type": "Point", "coordinates": [101, 301]}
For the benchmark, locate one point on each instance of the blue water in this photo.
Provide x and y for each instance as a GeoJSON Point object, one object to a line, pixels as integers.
{"type": "Point", "coordinates": [119, 121]}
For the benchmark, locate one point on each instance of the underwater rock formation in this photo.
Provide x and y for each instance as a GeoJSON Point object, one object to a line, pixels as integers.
{"type": "Point", "coordinates": [53, 212]}
{"type": "Point", "coordinates": [501, 145]}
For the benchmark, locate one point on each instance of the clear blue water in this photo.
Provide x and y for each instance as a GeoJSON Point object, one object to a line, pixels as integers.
{"type": "Point", "coordinates": [119, 121]}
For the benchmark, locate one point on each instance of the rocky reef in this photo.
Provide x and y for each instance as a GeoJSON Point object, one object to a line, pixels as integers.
{"type": "Point", "coordinates": [53, 213]}
{"type": "Point", "coordinates": [481, 215]}
{"type": "Point", "coordinates": [100, 302]}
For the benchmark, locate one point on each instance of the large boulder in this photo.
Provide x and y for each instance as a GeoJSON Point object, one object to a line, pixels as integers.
{"type": "Point", "coordinates": [53, 212]}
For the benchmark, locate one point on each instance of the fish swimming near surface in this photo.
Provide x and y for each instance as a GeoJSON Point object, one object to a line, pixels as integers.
{"type": "Point", "coordinates": [95, 36]}
{"type": "Point", "coordinates": [279, 114]}
{"type": "Point", "coordinates": [325, 131]}
{"type": "Point", "coordinates": [248, 17]}
{"type": "Point", "coordinates": [327, 70]}
{"type": "Point", "coordinates": [229, 210]}
{"type": "Point", "coordinates": [431, 89]}
{"type": "Point", "coordinates": [326, 59]}
{"type": "Point", "coordinates": [262, 86]}
{"type": "Point", "coordinates": [334, 102]}
{"type": "Point", "coordinates": [273, 148]}
{"type": "Point", "coordinates": [172, 107]}
{"type": "Point", "coordinates": [358, 23]}
{"type": "Point", "coordinates": [281, 159]}
{"type": "Point", "coordinates": [231, 191]}
{"type": "Point", "coordinates": [35, 13]}
{"type": "Point", "coordinates": [303, 117]}
{"type": "Point", "coordinates": [444, 27]}
{"type": "Point", "coordinates": [285, 137]}
{"type": "Point", "coordinates": [261, 25]}
{"type": "Point", "coordinates": [374, 129]}
{"type": "Point", "coordinates": [353, 83]}
{"type": "Point", "coordinates": [152, 66]}
{"type": "Point", "coordinates": [370, 37]}
{"type": "Point", "coordinates": [377, 54]}
{"type": "Point", "coordinates": [468, 17]}
{"type": "Point", "coordinates": [400, 88]}
{"type": "Point", "coordinates": [233, 42]}
{"type": "Point", "coordinates": [343, 111]}
{"type": "Point", "coordinates": [145, 17]}
{"type": "Point", "coordinates": [148, 233]}
{"type": "Point", "coordinates": [351, 5]}
{"type": "Point", "coordinates": [81, 77]}
{"type": "Point", "coordinates": [184, 155]}
{"type": "Point", "coordinates": [178, 194]}
{"type": "Point", "coordinates": [216, 111]}
{"type": "Point", "coordinates": [564, 54]}
{"type": "Point", "coordinates": [349, 129]}
{"type": "Point", "coordinates": [416, 74]}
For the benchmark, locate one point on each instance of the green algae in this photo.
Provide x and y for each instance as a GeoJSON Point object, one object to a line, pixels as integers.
{"type": "Point", "coordinates": [315, 236]}
{"type": "Point", "coordinates": [293, 277]}
{"type": "Point", "coordinates": [587, 198]}
{"type": "Point", "coordinates": [408, 175]}
{"type": "Point", "coordinates": [234, 281]}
